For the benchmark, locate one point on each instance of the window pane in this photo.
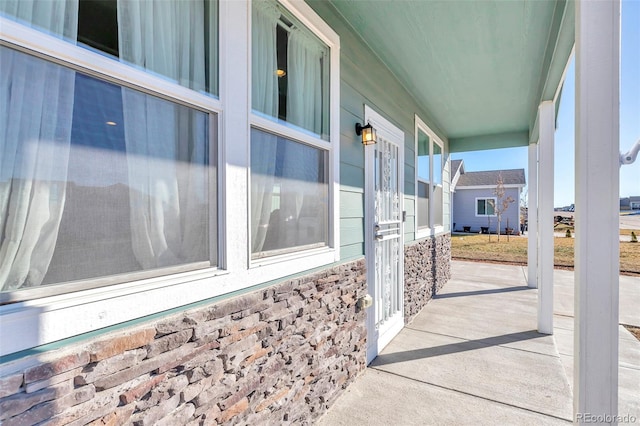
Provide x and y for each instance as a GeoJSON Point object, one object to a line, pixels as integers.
{"type": "Point", "coordinates": [437, 202]}
{"type": "Point", "coordinates": [290, 69]}
{"type": "Point", "coordinates": [175, 39]}
{"type": "Point", "coordinates": [481, 207]}
{"type": "Point", "coordinates": [289, 195]}
{"type": "Point", "coordinates": [491, 207]}
{"type": "Point", "coordinates": [437, 164]}
{"type": "Point", "coordinates": [423, 156]}
{"type": "Point", "coordinates": [423, 205]}
{"type": "Point", "coordinates": [97, 179]}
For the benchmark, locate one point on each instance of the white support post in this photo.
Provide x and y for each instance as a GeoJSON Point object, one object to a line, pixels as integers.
{"type": "Point", "coordinates": [546, 114]}
{"type": "Point", "coordinates": [597, 258]}
{"type": "Point", "coordinates": [532, 217]}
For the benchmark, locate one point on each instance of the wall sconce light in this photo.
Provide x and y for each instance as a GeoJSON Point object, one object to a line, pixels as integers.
{"type": "Point", "coordinates": [367, 132]}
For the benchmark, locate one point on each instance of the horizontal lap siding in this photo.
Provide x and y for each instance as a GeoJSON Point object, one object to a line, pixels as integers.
{"type": "Point", "coordinates": [367, 81]}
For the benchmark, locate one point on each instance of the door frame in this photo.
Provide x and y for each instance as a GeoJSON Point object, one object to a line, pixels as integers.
{"type": "Point", "coordinates": [395, 135]}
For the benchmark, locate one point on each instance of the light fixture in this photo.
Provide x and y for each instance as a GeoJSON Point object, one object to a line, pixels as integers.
{"type": "Point", "coordinates": [280, 73]}
{"type": "Point", "coordinates": [111, 123]}
{"type": "Point", "coordinates": [367, 132]}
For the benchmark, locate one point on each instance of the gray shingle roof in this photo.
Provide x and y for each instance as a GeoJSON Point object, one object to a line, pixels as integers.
{"type": "Point", "coordinates": [509, 177]}
{"type": "Point", "coordinates": [455, 165]}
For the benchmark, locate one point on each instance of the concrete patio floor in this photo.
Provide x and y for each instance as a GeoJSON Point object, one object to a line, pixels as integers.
{"type": "Point", "coordinates": [472, 356]}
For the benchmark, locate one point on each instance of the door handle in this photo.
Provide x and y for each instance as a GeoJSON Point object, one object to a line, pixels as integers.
{"type": "Point", "coordinates": [376, 232]}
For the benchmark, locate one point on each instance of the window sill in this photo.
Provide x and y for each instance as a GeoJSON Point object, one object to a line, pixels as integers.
{"type": "Point", "coordinates": [430, 232]}
{"type": "Point", "coordinates": [288, 264]}
{"type": "Point", "coordinates": [37, 322]}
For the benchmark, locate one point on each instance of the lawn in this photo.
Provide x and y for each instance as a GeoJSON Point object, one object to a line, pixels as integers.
{"type": "Point", "coordinates": [478, 247]}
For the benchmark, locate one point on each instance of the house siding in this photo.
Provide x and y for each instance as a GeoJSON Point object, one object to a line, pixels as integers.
{"type": "Point", "coordinates": [367, 81]}
{"type": "Point", "coordinates": [464, 212]}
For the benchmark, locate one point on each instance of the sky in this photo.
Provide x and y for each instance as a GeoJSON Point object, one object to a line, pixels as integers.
{"type": "Point", "coordinates": [564, 188]}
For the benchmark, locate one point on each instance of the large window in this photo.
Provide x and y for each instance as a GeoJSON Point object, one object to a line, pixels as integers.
{"type": "Point", "coordinates": [111, 198]}
{"type": "Point", "coordinates": [101, 181]}
{"type": "Point", "coordinates": [290, 96]}
{"type": "Point", "coordinates": [429, 182]}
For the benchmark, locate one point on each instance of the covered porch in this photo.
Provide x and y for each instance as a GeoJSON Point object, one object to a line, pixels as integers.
{"type": "Point", "coordinates": [491, 75]}
{"type": "Point", "coordinates": [472, 357]}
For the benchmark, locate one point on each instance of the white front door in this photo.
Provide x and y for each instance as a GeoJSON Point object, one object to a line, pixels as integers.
{"type": "Point", "coordinates": [384, 233]}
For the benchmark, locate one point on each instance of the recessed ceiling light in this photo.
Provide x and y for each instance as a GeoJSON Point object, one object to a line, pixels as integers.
{"type": "Point", "coordinates": [111, 123]}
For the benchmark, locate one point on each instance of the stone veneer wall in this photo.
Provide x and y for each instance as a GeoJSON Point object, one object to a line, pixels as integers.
{"type": "Point", "coordinates": [427, 268]}
{"type": "Point", "coordinates": [278, 355]}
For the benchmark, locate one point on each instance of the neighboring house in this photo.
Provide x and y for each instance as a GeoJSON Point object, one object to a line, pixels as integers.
{"type": "Point", "coordinates": [189, 222]}
{"type": "Point", "coordinates": [475, 201]}
{"type": "Point", "coordinates": [630, 203]}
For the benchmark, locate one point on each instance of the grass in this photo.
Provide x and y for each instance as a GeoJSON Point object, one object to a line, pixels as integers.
{"type": "Point", "coordinates": [478, 248]}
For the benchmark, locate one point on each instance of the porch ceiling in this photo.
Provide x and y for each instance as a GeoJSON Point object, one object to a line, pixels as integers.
{"type": "Point", "coordinates": [479, 67]}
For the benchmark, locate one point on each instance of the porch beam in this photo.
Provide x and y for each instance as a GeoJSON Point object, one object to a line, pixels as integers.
{"type": "Point", "coordinates": [546, 112]}
{"type": "Point", "coordinates": [532, 217]}
{"type": "Point", "coordinates": [492, 141]}
{"type": "Point", "coordinates": [597, 259]}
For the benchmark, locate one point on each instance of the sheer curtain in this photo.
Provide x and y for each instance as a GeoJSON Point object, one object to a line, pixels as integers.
{"type": "Point", "coordinates": [165, 157]}
{"type": "Point", "coordinates": [304, 94]}
{"type": "Point", "coordinates": [264, 98]}
{"type": "Point", "coordinates": [36, 99]}
{"type": "Point", "coordinates": [304, 109]}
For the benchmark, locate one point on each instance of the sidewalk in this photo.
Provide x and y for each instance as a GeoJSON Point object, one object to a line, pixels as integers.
{"type": "Point", "coordinates": [472, 356]}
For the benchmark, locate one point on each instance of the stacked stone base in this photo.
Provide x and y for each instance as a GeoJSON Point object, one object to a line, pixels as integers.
{"type": "Point", "coordinates": [427, 268]}
{"type": "Point", "coordinates": [275, 356]}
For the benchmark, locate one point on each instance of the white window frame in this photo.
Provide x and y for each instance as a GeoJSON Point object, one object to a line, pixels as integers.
{"type": "Point", "coordinates": [31, 323]}
{"type": "Point", "coordinates": [432, 229]}
{"type": "Point", "coordinates": [277, 266]}
{"type": "Point", "coordinates": [495, 201]}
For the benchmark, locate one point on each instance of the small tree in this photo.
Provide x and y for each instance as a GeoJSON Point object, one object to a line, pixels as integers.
{"type": "Point", "coordinates": [503, 202]}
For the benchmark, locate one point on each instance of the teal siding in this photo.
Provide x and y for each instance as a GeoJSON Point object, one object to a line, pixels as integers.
{"type": "Point", "coordinates": [351, 230]}
{"type": "Point", "coordinates": [351, 178]}
{"type": "Point", "coordinates": [367, 81]}
{"type": "Point", "coordinates": [351, 251]}
{"type": "Point", "coordinates": [351, 204]}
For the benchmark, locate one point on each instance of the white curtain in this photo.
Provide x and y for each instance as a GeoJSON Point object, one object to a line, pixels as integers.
{"type": "Point", "coordinates": [166, 153]}
{"type": "Point", "coordinates": [36, 101]}
{"type": "Point", "coordinates": [304, 109]}
{"type": "Point", "coordinates": [304, 94]}
{"type": "Point", "coordinates": [264, 98]}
